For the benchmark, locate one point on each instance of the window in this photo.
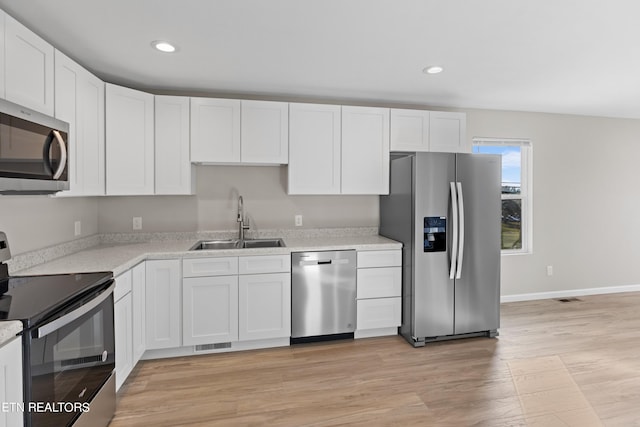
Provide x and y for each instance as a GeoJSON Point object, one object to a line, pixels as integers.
{"type": "Point", "coordinates": [516, 190]}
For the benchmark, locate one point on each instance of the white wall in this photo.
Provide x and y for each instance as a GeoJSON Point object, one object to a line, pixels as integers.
{"type": "Point", "coordinates": [214, 207]}
{"type": "Point", "coordinates": [34, 222]}
{"type": "Point", "coordinates": [586, 200]}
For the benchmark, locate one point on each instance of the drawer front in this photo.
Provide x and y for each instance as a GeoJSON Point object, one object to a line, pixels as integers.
{"type": "Point", "coordinates": [264, 264]}
{"type": "Point", "coordinates": [379, 282]}
{"type": "Point", "coordinates": [391, 258]}
{"type": "Point", "coordinates": [123, 285]}
{"type": "Point", "coordinates": [199, 267]}
{"type": "Point", "coordinates": [379, 313]}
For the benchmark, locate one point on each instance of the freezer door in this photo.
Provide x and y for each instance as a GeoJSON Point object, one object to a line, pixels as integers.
{"type": "Point", "coordinates": [433, 291]}
{"type": "Point", "coordinates": [477, 292]}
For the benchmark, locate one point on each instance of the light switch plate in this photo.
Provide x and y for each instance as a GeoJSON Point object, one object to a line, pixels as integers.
{"type": "Point", "coordinates": [137, 223]}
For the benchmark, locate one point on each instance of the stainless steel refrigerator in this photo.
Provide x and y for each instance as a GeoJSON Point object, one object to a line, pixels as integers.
{"type": "Point", "coordinates": [446, 210]}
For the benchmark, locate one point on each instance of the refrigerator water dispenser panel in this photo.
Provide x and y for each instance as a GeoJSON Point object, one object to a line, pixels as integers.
{"type": "Point", "coordinates": [435, 234]}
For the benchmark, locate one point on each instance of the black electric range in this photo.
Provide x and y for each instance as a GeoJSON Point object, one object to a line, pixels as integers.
{"type": "Point", "coordinates": [68, 344]}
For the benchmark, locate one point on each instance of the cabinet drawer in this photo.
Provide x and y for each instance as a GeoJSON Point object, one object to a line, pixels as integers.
{"type": "Point", "coordinates": [123, 285]}
{"type": "Point", "coordinates": [390, 258]}
{"type": "Point", "coordinates": [218, 266]}
{"type": "Point", "coordinates": [379, 282]}
{"type": "Point", "coordinates": [379, 313]}
{"type": "Point", "coordinates": [264, 264]}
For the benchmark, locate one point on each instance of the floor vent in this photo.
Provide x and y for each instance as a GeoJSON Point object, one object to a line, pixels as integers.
{"type": "Point", "coordinates": [209, 347]}
{"type": "Point", "coordinates": [571, 299]}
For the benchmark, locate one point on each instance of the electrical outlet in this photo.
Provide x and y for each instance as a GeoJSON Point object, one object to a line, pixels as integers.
{"type": "Point", "coordinates": [137, 223]}
{"type": "Point", "coordinates": [298, 220]}
{"type": "Point", "coordinates": [549, 270]}
{"type": "Point", "coordinates": [77, 228]}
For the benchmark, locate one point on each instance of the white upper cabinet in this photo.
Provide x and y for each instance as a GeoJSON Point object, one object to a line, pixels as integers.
{"type": "Point", "coordinates": [338, 149]}
{"type": "Point", "coordinates": [173, 171]}
{"type": "Point", "coordinates": [28, 68]}
{"type": "Point", "coordinates": [365, 150]}
{"type": "Point", "coordinates": [447, 132]}
{"type": "Point", "coordinates": [234, 131]}
{"type": "Point", "coordinates": [264, 135]}
{"type": "Point", "coordinates": [409, 130]}
{"type": "Point", "coordinates": [421, 130]}
{"type": "Point", "coordinates": [215, 130]}
{"type": "Point", "coordinates": [129, 141]}
{"type": "Point", "coordinates": [314, 149]}
{"type": "Point", "coordinates": [80, 102]}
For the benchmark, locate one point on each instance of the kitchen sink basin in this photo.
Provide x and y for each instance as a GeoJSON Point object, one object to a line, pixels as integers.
{"type": "Point", "coordinates": [208, 245]}
{"type": "Point", "coordinates": [262, 243]}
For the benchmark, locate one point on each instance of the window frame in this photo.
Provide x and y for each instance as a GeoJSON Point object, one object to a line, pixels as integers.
{"type": "Point", "coordinates": [526, 187]}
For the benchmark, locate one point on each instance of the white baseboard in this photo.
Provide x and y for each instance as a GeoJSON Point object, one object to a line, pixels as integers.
{"type": "Point", "coordinates": [569, 293]}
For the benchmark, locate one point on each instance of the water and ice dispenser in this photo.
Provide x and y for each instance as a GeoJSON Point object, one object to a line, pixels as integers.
{"type": "Point", "coordinates": [435, 234]}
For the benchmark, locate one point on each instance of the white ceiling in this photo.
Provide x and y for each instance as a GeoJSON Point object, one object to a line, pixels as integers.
{"type": "Point", "coordinates": [561, 56]}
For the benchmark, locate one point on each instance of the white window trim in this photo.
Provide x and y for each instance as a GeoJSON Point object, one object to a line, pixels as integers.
{"type": "Point", "coordinates": [526, 189]}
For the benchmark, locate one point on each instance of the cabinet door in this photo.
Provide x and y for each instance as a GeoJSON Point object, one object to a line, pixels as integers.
{"type": "Point", "coordinates": [138, 280]}
{"type": "Point", "coordinates": [210, 307]}
{"type": "Point", "coordinates": [264, 132]}
{"type": "Point", "coordinates": [90, 133]}
{"type": "Point", "coordinates": [409, 130]}
{"type": "Point", "coordinates": [11, 381]}
{"type": "Point", "coordinates": [163, 310]}
{"type": "Point", "coordinates": [215, 130]}
{"type": "Point", "coordinates": [173, 174]}
{"type": "Point", "coordinates": [379, 313]}
{"type": "Point", "coordinates": [448, 132]}
{"type": "Point", "coordinates": [129, 141]}
{"type": "Point", "coordinates": [28, 68]}
{"type": "Point", "coordinates": [264, 306]}
{"type": "Point", "coordinates": [80, 102]}
{"type": "Point", "coordinates": [314, 149]}
{"type": "Point", "coordinates": [123, 332]}
{"type": "Point", "coordinates": [365, 150]}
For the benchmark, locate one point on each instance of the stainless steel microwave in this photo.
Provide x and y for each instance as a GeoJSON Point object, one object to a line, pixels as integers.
{"type": "Point", "coordinates": [34, 155]}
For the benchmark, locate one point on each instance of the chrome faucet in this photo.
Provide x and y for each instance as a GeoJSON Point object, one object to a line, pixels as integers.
{"type": "Point", "coordinates": [243, 221]}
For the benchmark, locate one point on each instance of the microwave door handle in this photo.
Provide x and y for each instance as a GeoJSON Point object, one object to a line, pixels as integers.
{"type": "Point", "coordinates": [46, 154]}
{"type": "Point", "coordinates": [75, 314]}
{"type": "Point", "coordinates": [54, 135]}
{"type": "Point", "coordinates": [63, 154]}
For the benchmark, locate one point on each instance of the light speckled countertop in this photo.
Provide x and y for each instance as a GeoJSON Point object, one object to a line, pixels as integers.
{"type": "Point", "coordinates": [120, 253]}
{"type": "Point", "coordinates": [9, 330]}
{"type": "Point", "coordinates": [119, 257]}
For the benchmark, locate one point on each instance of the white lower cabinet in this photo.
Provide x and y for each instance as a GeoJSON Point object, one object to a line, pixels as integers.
{"type": "Point", "coordinates": [163, 295]}
{"type": "Point", "coordinates": [264, 302]}
{"type": "Point", "coordinates": [123, 330]}
{"type": "Point", "coordinates": [379, 290]}
{"type": "Point", "coordinates": [210, 310]}
{"type": "Point", "coordinates": [11, 382]}
{"type": "Point", "coordinates": [231, 299]}
{"type": "Point", "coordinates": [138, 281]}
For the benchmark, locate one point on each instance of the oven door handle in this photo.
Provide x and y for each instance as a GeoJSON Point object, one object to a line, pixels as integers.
{"type": "Point", "coordinates": [75, 314]}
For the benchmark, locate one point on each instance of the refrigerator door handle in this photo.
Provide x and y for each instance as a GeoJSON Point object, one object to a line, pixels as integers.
{"type": "Point", "coordinates": [454, 238]}
{"type": "Point", "coordinates": [461, 222]}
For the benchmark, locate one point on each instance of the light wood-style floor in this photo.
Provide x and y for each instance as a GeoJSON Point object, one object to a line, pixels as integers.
{"type": "Point", "coordinates": [554, 364]}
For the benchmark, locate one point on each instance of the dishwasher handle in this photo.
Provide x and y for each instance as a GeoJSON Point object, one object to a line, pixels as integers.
{"type": "Point", "coordinates": [306, 263]}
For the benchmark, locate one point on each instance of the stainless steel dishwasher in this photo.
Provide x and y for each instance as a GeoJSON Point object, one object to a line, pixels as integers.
{"type": "Point", "coordinates": [323, 295]}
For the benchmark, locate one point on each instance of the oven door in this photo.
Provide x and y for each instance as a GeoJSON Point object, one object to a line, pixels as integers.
{"type": "Point", "coordinates": [70, 359]}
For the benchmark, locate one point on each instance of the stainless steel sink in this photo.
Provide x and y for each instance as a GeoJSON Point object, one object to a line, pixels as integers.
{"type": "Point", "coordinates": [207, 245]}
{"type": "Point", "coordinates": [262, 243]}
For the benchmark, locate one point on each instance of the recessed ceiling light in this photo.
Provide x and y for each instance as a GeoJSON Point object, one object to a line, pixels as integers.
{"type": "Point", "coordinates": [434, 69]}
{"type": "Point", "coordinates": [163, 46]}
